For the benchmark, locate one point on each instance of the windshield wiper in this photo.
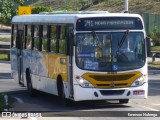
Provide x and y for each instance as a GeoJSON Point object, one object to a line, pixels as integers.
{"type": "Point", "coordinates": [123, 39]}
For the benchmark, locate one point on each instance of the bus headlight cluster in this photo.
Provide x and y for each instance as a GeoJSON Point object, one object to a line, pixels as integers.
{"type": "Point", "coordinates": [83, 83]}
{"type": "Point", "coordinates": [140, 81]}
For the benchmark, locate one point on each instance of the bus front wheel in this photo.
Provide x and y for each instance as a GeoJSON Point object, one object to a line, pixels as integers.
{"type": "Point", "coordinates": [61, 93]}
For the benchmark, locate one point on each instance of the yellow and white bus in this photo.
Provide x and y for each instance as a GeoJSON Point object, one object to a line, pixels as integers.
{"type": "Point", "coordinates": [81, 55]}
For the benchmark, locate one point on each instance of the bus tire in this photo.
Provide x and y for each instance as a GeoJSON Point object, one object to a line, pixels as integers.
{"type": "Point", "coordinates": [30, 89]}
{"type": "Point", "coordinates": [123, 101]}
{"type": "Point", "coordinates": [61, 93]}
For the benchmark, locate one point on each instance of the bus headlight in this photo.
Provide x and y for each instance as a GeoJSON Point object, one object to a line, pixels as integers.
{"type": "Point", "coordinates": [83, 83]}
{"type": "Point", "coordinates": [140, 81]}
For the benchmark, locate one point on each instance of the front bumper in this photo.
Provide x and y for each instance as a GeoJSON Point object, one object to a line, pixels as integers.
{"type": "Point", "coordinates": [81, 94]}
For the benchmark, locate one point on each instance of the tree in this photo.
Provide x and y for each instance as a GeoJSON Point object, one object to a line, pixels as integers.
{"type": "Point", "coordinates": [155, 35]}
{"type": "Point", "coordinates": [20, 2]}
{"type": "Point", "coordinates": [8, 10]}
{"type": "Point", "coordinates": [38, 9]}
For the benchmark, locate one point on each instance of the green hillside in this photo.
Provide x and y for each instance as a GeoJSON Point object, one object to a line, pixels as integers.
{"type": "Point", "coordinates": [135, 6]}
{"type": "Point", "coordinates": [29, 2]}
{"type": "Point", "coordinates": [59, 4]}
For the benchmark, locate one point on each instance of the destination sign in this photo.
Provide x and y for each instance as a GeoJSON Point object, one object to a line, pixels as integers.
{"type": "Point", "coordinates": [90, 24]}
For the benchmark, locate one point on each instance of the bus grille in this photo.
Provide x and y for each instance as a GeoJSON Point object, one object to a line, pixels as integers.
{"type": "Point", "coordinates": [116, 80]}
{"type": "Point", "coordinates": [112, 92]}
{"type": "Point", "coordinates": [111, 77]}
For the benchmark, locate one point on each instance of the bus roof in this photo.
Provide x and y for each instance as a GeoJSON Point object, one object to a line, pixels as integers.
{"type": "Point", "coordinates": [66, 18]}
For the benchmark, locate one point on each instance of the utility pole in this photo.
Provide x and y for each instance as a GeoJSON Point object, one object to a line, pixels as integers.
{"type": "Point", "coordinates": [126, 5]}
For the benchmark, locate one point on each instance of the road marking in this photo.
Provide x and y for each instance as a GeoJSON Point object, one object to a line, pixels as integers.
{"type": "Point", "coordinates": [154, 88]}
{"type": "Point", "coordinates": [153, 109]}
{"type": "Point", "coordinates": [150, 108]}
{"type": "Point", "coordinates": [19, 100]}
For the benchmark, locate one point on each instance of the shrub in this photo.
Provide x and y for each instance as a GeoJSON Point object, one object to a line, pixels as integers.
{"type": "Point", "coordinates": [155, 35]}
{"type": "Point", "coordinates": [2, 102]}
{"type": "Point", "coordinates": [37, 9]}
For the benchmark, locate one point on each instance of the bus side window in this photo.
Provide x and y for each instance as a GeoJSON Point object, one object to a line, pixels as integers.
{"type": "Point", "coordinates": [53, 38]}
{"type": "Point", "coordinates": [20, 37]}
{"type": "Point", "coordinates": [32, 37]}
{"type": "Point", "coordinates": [40, 34]}
{"type": "Point", "coordinates": [25, 37]}
{"type": "Point", "coordinates": [49, 38]}
{"type": "Point", "coordinates": [44, 39]}
{"type": "Point", "coordinates": [62, 40]}
{"type": "Point", "coordinates": [14, 35]}
{"type": "Point", "coordinates": [36, 38]}
{"type": "Point", "coordinates": [28, 37]}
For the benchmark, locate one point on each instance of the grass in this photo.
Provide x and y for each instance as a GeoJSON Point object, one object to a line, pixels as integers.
{"type": "Point", "coordinates": [155, 48]}
{"type": "Point", "coordinates": [2, 102]}
{"type": "Point", "coordinates": [3, 57]}
{"type": "Point", "coordinates": [154, 65]}
{"type": "Point", "coordinates": [5, 39]}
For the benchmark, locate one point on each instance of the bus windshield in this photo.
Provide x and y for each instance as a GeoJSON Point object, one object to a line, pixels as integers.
{"type": "Point", "coordinates": [110, 51]}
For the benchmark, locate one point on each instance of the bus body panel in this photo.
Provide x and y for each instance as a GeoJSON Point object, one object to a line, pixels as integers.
{"type": "Point", "coordinates": [45, 69]}
{"type": "Point", "coordinates": [56, 68]}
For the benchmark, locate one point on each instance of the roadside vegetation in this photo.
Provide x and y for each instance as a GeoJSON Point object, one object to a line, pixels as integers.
{"type": "Point", "coordinates": [5, 39]}
{"type": "Point", "coordinates": [2, 102]}
{"type": "Point", "coordinates": [154, 65]}
{"type": "Point", "coordinates": [3, 57]}
{"type": "Point", "coordinates": [155, 48]}
{"type": "Point", "coordinates": [155, 35]}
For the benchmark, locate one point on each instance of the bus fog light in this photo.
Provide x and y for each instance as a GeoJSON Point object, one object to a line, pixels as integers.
{"type": "Point", "coordinates": [140, 81]}
{"type": "Point", "coordinates": [84, 83]}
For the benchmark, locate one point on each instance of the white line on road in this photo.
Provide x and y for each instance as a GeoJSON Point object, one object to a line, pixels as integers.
{"type": "Point", "coordinates": [150, 108]}
{"type": "Point", "coordinates": [19, 100]}
{"type": "Point", "coordinates": [143, 106]}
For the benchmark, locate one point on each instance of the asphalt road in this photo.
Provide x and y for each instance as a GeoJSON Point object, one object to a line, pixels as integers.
{"type": "Point", "coordinates": [51, 105]}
